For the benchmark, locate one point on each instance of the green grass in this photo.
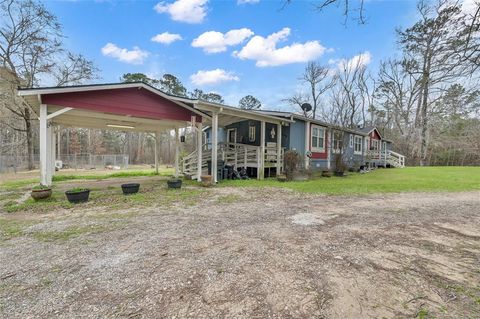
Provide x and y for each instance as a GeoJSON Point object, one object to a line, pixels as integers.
{"type": "Point", "coordinates": [57, 200]}
{"type": "Point", "coordinates": [83, 175]}
{"type": "Point", "coordinates": [12, 228]}
{"type": "Point", "coordinates": [61, 178]}
{"type": "Point", "coordinates": [411, 179]}
{"type": "Point", "coordinates": [70, 232]}
{"type": "Point", "coordinates": [228, 199]}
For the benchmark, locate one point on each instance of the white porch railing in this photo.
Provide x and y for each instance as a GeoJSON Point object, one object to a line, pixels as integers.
{"type": "Point", "coordinates": [239, 155]}
{"type": "Point", "coordinates": [386, 157]}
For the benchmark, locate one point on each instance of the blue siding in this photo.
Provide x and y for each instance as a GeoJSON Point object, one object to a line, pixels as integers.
{"type": "Point", "coordinates": [297, 137]}
{"type": "Point", "coordinates": [351, 159]}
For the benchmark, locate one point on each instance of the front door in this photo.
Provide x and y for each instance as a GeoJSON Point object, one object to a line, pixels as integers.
{"type": "Point", "coordinates": [232, 135]}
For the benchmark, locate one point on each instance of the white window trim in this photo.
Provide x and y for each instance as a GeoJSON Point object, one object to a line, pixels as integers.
{"type": "Point", "coordinates": [358, 137]}
{"type": "Point", "coordinates": [251, 133]}
{"type": "Point", "coordinates": [317, 149]}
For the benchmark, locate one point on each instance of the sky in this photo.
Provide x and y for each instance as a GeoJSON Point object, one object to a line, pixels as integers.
{"type": "Point", "coordinates": [234, 47]}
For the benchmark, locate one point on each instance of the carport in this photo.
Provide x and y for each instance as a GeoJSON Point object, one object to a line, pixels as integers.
{"type": "Point", "coordinates": [134, 107]}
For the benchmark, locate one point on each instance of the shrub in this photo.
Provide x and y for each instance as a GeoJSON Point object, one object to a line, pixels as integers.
{"type": "Point", "coordinates": [340, 165]}
{"type": "Point", "coordinates": [292, 162]}
{"type": "Point", "coordinates": [40, 187]}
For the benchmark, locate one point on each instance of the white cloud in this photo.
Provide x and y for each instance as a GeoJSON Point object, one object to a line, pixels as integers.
{"type": "Point", "coordinates": [214, 42]}
{"type": "Point", "coordinates": [189, 11]}
{"type": "Point", "coordinates": [359, 60]}
{"type": "Point", "coordinates": [166, 38]}
{"type": "Point", "coordinates": [212, 77]}
{"type": "Point", "coordinates": [134, 56]}
{"type": "Point", "coordinates": [247, 1]}
{"type": "Point", "coordinates": [265, 51]}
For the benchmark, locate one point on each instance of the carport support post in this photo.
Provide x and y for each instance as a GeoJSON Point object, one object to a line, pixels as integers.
{"type": "Point", "coordinates": [157, 140]}
{"type": "Point", "coordinates": [214, 146]}
{"type": "Point", "coordinates": [279, 149]}
{"type": "Point", "coordinates": [53, 147]}
{"type": "Point", "coordinates": [262, 150]}
{"type": "Point", "coordinates": [43, 146]}
{"type": "Point", "coordinates": [177, 152]}
{"type": "Point", "coordinates": [199, 151]}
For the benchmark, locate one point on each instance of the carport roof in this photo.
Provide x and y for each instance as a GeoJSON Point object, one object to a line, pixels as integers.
{"type": "Point", "coordinates": [227, 114]}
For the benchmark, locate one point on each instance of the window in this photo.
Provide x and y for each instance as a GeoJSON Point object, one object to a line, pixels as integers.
{"type": "Point", "coordinates": [351, 141]}
{"type": "Point", "coordinates": [375, 145]}
{"type": "Point", "coordinates": [318, 138]}
{"type": "Point", "coordinates": [337, 142]}
{"type": "Point", "coordinates": [251, 133]}
{"type": "Point", "coordinates": [357, 145]}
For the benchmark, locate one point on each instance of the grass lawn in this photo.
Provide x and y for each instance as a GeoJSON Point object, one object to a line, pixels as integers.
{"type": "Point", "coordinates": [82, 175]}
{"type": "Point", "coordinates": [410, 179]}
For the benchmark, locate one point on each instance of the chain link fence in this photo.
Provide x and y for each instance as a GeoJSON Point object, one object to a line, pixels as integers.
{"type": "Point", "coordinates": [13, 164]}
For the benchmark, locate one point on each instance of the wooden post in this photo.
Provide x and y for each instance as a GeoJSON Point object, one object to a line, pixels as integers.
{"type": "Point", "coordinates": [279, 149]}
{"type": "Point", "coordinates": [199, 151]}
{"type": "Point", "coordinates": [262, 149]}
{"type": "Point", "coordinates": [259, 162]}
{"type": "Point", "coordinates": [43, 146]}
{"type": "Point", "coordinates": [157, 140]}
{"type": "Point", "coordinates": [177, 152]}
{"type": "Point", "coordinates": [59, 140]}
{"type": "Point", "coordinates": [307, 144]}
{"type": "Point", "coordinates": [214, 146]}
{"type": "Point", "coordinates": [245, 157]}
{"type": "Point", "coordinates": [53, 147]}
{"type": "Point", "coordinates": [329, 148]}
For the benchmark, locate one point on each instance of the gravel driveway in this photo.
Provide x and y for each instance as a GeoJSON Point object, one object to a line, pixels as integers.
{"type": "Point", "coordinates": [250, 253]}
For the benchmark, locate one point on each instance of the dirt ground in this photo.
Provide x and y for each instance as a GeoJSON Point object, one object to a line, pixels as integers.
{"type": "Point", "coordinates": [251, 253]}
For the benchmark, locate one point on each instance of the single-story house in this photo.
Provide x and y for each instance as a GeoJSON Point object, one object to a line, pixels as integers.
{"type": "Point", "coordinates": [254, 140]}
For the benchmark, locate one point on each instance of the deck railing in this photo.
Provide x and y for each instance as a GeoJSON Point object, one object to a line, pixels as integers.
{"type": "Point", "coordinates": [386, 157]}
{"type": "Point", "coordinates": [239, 155]}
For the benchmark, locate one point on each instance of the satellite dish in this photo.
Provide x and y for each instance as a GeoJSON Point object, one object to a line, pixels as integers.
{"type": "Point", "coordinates": [306, 107]}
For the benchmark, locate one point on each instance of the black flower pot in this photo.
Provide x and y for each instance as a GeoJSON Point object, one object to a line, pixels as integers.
{"type": "Point", "coordinates": [75, 197]}
{"type": "Point", "coordinates": [174, 183]}
{"type": "Point", "coordinates": [131, 188]}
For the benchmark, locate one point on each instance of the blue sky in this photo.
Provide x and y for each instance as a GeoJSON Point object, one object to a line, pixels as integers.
{"type": "Point", "coordinates": [117, 36]}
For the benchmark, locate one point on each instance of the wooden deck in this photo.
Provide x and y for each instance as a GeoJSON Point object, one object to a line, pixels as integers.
{"type": "Point", "coordinates": [235, 154]}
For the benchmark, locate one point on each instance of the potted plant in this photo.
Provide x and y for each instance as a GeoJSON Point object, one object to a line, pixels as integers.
{"type": "Point", "coordinates": [40, 192]}
{"type": "Point", "coordinates": [77, 195]}
{"type": "Point", "coordinates": [206, 180]}
{"type": "Point", "coordinates": [130, 188]}
{"type": "Point", "coordinates": [174, 183]}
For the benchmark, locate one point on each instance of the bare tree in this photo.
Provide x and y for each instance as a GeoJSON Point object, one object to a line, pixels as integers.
{"type": "Point", "coordinates": [319, 79]}
{"type": "Point", "coordinates": [347, 6]}
{"type": "Point", "coordinates": [75, 70]}
{"type": "Point", "coordinates": [432, 52]}
{"type": "Point", "coordinates": [352, 96]}
{"type": "Point", "coordinates": [31, 48]}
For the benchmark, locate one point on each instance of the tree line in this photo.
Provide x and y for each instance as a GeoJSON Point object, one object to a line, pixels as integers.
{"type": "Point", "coordinates": [426, 99]}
